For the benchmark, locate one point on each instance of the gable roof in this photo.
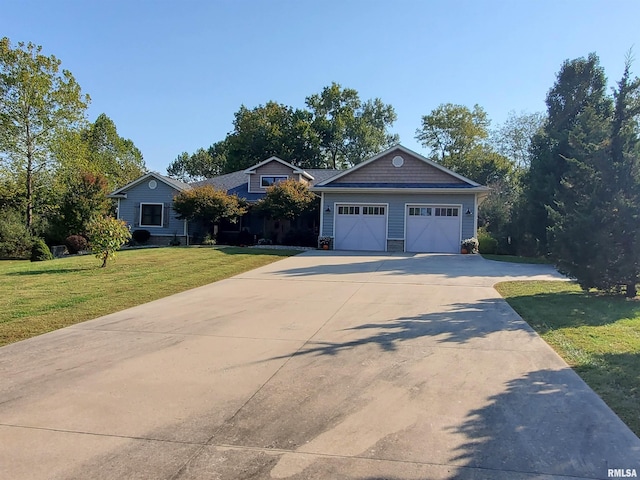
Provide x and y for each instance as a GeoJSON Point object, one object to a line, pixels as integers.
{"type": "Point", "coordinates": [252, 170]}
{"type": "Point", "coordinates": [235, 183]}
{"type": "Point", "coordinates": [400, 148]}
{"type": "Point", "coordinates": [173, 183]}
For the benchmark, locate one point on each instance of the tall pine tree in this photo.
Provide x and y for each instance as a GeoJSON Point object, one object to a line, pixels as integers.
{"type": "Point", "coordinates": [595, 236]}
{"type": "Point", "coordinates": [575, 104]}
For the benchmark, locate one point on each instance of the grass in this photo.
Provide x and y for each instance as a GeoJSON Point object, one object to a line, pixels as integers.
{"type": "Point", "coordinates": [516, 259]}
{"type": "Point", "coordinates": [39, 297]}
{"type": "Point", "coordinates": [598, 335]}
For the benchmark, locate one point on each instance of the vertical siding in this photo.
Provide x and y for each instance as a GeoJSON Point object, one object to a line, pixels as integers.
{"type": "Point", "coordinates": [397, 202]}
{"type": "Point", "coordinates": [141, 193]}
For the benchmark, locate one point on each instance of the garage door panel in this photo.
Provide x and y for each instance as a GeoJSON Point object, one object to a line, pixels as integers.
{"type": "Point", "coordinates": [432, 229]}
{"type": "Point", "coordinates": [361, 227]}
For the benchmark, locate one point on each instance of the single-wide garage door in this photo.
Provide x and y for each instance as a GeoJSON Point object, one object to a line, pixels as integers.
{"type": "Point", "coordinates": [360, 227]}
{"type": "Point", "coordinates": [433, 229]}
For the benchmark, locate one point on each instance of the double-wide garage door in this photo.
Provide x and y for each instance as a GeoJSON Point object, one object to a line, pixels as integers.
{"type": "Point", "coordinates": [361, 227]}
{"type": "Point", "coordinates": [434, 229]}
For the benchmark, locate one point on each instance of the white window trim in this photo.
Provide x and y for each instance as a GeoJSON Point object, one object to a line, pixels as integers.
{"type": "Point", "coordinates": [284, 177]}
{"type": "Point", "coordinates": [161, 215]}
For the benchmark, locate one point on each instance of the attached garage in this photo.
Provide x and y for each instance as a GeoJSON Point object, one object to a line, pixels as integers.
{"type": "Point", "coordinates": [399, 201]}
{"type": "Point", "coordinates": [360, 227]}
{"type": "Point", "coordinates": [433, 228]}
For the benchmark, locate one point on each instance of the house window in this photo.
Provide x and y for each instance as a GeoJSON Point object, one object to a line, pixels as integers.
{"type": "Point", "coordinates": [446, 212]}
{"type": "Point", "coordinates": [420, 211]}
{"type": "Point", "coordinates": [350, 210]}
{"type": "Point", "coordinates": [151, 214]}
{"type": "Point", "coordinates": [268, 180]}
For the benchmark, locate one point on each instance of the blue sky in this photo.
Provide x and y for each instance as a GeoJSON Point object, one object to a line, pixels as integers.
{"type": "Point", "coordinates": [171, 74]}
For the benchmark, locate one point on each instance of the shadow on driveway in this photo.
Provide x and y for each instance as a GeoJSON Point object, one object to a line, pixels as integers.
{"type": "Point", "coordinates": [449, 266]}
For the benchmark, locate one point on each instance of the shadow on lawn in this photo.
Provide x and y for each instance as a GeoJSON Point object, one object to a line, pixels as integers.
{"type": "Point", "coordinates": [52, 271]}
{"type": "Point", "coordinates": [616, 377]}
{"type": "Point", "coordinates": [572, 309]}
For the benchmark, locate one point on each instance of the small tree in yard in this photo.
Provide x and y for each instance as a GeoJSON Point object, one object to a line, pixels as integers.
{"type": "Point", "coordinates": [208, 205]}
{"type": "Point", "coordinates": [287, 200]}
{"type": "Point", "coordinates": [106, 236]}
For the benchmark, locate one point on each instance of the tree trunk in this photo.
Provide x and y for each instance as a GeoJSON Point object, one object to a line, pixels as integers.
{"type": "Point", "coordinates": [29, 195]}
{"type": "Point", "coordinates": [29, 199]}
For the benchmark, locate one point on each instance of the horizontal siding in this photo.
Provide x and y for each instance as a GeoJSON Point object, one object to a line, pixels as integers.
{"type": "Point", "coordinates": [413, 170]}
{"type": "Point", "coordinates": [141, 193]}
{"type": "Point", "coordinates": [271, 168]}
{"type": "Point", "coordinates": [397, 208]}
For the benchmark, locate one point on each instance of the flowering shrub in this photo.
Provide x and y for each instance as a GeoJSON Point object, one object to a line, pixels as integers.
{"type": "Point", "coordinates": [470, 245]}
{"type": "Point", "coordinates": [322, 241]}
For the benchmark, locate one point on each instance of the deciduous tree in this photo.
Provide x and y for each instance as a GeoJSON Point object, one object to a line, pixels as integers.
{"type": "Point", "coordinates": [37, 101]}
{"type": "Point", "coordinates": [287, 200]}
{"type": "Point", "coordinates": [106, 236]}
{"type": "Point", "coordinates": [350, 130]}
{"type": "Point", "coordinates": [208, 205]}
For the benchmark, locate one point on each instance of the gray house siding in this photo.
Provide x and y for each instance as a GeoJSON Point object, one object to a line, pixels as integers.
{"type": "Point", "coordinates": [396, 211]}
{"type": "Point", "coordinates": [129, 209]}
{"type": "Point", "coordinates": [271, 168]}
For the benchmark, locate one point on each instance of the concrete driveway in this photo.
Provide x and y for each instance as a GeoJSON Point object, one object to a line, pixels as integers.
{"type": "Point", "coordinates": [327, 366]}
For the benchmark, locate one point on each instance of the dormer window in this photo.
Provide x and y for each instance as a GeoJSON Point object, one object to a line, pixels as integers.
{"type": "Point", "coordinates": [268, 180]}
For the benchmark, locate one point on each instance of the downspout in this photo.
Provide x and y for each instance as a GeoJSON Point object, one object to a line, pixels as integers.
{"type": "Point", "coordinates": [475, 215]}
{"type": "Point", "coordinates": [321, 213]}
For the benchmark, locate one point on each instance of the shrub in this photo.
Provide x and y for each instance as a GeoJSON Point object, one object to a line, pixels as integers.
{"type": "Point", "coordinates": [487, 244]}
{"type": "Point", "coordinates": [265, 241]}
{"type": "Point", "coordinates": [15, 239]}
{"type": "Point", "coordinates": [75, 243]}
{"type": "Point", "coordinates": [141, 236]}
{"type": "Point", "coordinates": [470, 245]}
{"type": "Point", "coordinates": [40, 252]}
{"type": "Point", "coordinates": [301, 238]}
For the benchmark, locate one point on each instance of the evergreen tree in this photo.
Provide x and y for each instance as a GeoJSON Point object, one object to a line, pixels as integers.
{"type": "Point", "coordinates": [595, 232]}
{"type": "Point", "coordinates": [577, 105]}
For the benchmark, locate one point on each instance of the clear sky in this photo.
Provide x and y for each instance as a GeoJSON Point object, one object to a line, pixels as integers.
{"type": "Point", "coordinates": [172, 73]}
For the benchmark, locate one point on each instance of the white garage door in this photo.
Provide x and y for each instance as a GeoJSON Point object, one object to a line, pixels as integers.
{"type": "Point", "coordinates": [433, 229]}
{"type": "Point", "coordinates": [361, 227]}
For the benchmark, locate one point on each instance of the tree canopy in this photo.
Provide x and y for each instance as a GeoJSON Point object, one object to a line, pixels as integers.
{"type": "Point", "coordinates": [208, 205]}
{"type": "Point", "coordinates": [38, 100]}
{"type": "Point", "coordinates": [287, 200]}
{"type": "Point", "coordinates": [595, 216]}
{"type": "Point", "coordinates": [336, 130]}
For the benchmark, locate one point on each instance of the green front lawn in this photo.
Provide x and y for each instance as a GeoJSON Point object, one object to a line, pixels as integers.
{"type": "Point", "coordinates": [39, 297]}
{"type": "Point", "coordinates": [599, 336]}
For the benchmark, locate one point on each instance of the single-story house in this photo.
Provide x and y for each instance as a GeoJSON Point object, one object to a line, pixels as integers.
{"type": "Point", "coordinates": [397, 200]}
{"type": "Point", "coordinates": [146, 203]}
